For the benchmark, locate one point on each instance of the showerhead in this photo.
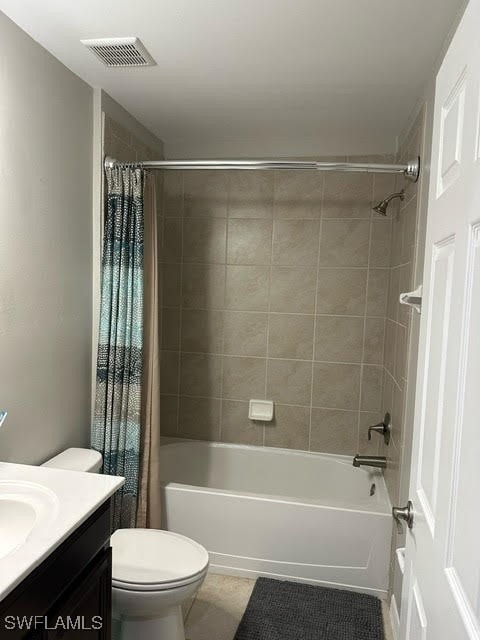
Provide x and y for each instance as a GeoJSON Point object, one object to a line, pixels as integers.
{"type": "Point", "coordinates": [382, 206]}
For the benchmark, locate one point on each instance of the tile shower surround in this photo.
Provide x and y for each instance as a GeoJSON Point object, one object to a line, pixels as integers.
{"type": "Point", "coordinates": [405, 251]}
{"type": "Point", "coordinates": [274, 285]}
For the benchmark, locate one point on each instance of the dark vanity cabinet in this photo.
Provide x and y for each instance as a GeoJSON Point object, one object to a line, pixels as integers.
{"type": "Point", "coordinates": [69, 594]}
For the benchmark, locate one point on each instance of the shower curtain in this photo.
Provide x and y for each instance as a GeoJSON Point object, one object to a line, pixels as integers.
{"type": "Point", "coordinates": [116, 425]}
{"type": "Point", "coordinates": [148, 507]}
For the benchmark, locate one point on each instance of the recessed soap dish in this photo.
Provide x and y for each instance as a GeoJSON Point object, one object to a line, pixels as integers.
{"type": "Point", "coordinates": [261, 410]}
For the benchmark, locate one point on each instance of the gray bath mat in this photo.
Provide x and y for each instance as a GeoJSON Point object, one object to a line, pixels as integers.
{"type": "Point", "coordinates": [279, 610]}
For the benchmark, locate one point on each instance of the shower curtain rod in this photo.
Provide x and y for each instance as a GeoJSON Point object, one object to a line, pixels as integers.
{"type": "Point", "coordinates": [411, 170]}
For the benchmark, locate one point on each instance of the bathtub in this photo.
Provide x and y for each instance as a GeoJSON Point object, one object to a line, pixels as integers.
{"type": "Point", "coordinates": [285, 514]}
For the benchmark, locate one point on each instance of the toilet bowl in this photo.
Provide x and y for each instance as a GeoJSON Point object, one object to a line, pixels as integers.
{"type": "Point", "coordinates": [153, 571]}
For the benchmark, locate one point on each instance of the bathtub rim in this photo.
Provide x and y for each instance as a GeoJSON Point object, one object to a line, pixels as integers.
{"type": "Point", "coordinates": [179, 486]}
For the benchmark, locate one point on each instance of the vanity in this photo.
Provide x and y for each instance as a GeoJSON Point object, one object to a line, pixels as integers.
{"type": "Point", "coordinates": [55, 555]}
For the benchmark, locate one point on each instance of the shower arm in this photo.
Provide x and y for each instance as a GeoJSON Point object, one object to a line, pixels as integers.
{"type": "Point", "coordinates": [411, 170]}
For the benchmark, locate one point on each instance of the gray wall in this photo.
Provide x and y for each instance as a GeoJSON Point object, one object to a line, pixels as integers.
{"type": "Point", "coordinates": [45, 251]}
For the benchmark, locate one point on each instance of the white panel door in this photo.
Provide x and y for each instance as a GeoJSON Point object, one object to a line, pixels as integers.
{"type": "Point", "coordinates": [441, 594]}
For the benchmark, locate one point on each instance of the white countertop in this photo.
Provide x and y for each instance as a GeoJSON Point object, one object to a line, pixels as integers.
{"type": "Point", "coordinates": [65, 499]}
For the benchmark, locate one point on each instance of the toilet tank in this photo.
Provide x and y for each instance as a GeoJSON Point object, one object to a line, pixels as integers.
{"type": "Point", "coordinates": [76, 459]}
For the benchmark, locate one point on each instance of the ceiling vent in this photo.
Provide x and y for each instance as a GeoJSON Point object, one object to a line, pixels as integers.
{"type": "Point", "coordinates": [120, 52]}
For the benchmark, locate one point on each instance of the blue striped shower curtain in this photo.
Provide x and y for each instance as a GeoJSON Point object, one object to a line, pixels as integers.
{"type": "Point", "coordinates": [116, 424]}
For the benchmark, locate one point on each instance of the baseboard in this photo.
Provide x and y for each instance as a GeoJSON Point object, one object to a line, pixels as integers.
{"type": "Point", "coordinates": [394, 618]}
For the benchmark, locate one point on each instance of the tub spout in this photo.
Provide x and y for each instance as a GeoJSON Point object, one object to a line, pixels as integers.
{"type": "Point", "coordinates": [370, 461]}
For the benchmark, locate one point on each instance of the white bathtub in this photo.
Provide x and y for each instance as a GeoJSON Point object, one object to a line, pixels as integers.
{"type": "Point", "coordinates": [279, 513]}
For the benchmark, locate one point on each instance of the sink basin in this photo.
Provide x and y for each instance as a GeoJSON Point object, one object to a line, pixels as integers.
{"type": "Point", "coordinates": [17, 519]}
{"type": "Point", "coordinates": [25, 509]}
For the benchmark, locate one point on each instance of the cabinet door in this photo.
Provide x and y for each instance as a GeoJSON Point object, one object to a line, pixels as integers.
{"type": "Point", "coordinates": [85, 612]}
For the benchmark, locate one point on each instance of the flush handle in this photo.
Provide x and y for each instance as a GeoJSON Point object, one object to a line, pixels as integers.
{"type": "Point", "coordinates": [404, 514]}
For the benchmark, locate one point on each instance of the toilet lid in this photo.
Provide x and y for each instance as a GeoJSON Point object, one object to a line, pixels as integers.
{"type": "Point", "coordinates": [153, 558]}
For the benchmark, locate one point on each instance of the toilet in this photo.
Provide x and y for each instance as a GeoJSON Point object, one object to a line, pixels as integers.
{"type": "Point", "coordinates": [153, 573]}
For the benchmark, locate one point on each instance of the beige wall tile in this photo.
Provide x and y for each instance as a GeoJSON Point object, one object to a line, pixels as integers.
{"type": "Point", "coordinates": [243, 378]}
{"type": "Point", "coordinates": [247, 288]}
{"type": "Point", "coordinates": [393, 294]}
{"type": "Point", "coordinates": [289, 381]}
{"type": "Point", "coordinates": [121, 150]}
{"type": "Point", "coordinates": [173, 193]}
{"type": "Point", "coordinates": [202, 330]}
{"type": "Point", "coordinates": [377, 292]}
{"type": "Point", "coordinates": [334, 431]}
{"type": "Point", "coordinates": [372, 386]}
{"type": "Point", "coordinates": [169, 415]}
{"type": "Point", "coordinates": [203, 286]}
{"type": "Point", "coordinates": [397, 414]}
{"type": "Point", "coordinates": [339, 338]}
{"type": "Point", "coordinates": [245, 333]}
{"type": "Point", "coordinates": [409, 215]}
{"type": "Point", "coordinates": [236, 427]}
{"type": "Point", "coordinates": [383, 186]}
{"type": "Point", "coordinates": [292, 289]}
{"type": "Point", "coordinates": [380, 242]}
{"type": "Point", "coordinates": [387, 395]}
{"type": "Point", "coordinates": [295, 242]}
{"type": "Point", "coordinates": [169, 373]}
{"type": "Point", "coordinates": [390, 340]}
{"type": "Point", "coordinates": [411, 189]}
{"type": "Point", "coordinates": [289, 428]}
{"type": "Point", "coordinates": [204, 240]}
{"type": "Point", "coordinates": [159, 202]}
{"type": "Point", "coordinates": [398, 222]}
{"type": "Point", "coordinates": [171, 248]}
{"type": "Point", "coordinates": [171, 285]}
{"type": "Point", "coordinates": [290, 336]}
{"type": "Point", "coordinates": [118, 130]}
{"type": "Point", "coordinates": [285, 283]}
{"type": "Point", "coordinates": [344, 243]}
{"type": "Point", "coordinates": [170, 327]}
{"type": "Point", "coordinates": [200, 375]}
{"type": "Point", "coordinates": [298, 194]}
{"type": "Point", "coordinates": [400, 355]}
{"type": "Point", "coordinates": [348, 195]}
{"type": "Point", "coordinates": [206, 193]}
{"type": "Point", "coordinates": [392, 471]}
{"type": "Point", "coordinates": [143, 151]}
{"type": "Point", "coordinates": [199, 418]}
{"type": "Point", "coordinates": [336, 386]}
{"type": "Point", "coordinates": [341, 291]}
{"type": "Point", "coordinates": [374, 340]}
{"type": "Point", "coordinates": [249, 242]}
{"type": "Point", "coordinates": [405, 283]}
{"type": "Point", "coordinates": [251, 194]}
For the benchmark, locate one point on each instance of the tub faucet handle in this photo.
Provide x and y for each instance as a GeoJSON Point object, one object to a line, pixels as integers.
{"type": "Point", "coordinates": [3, 415]}
{"type": "Point", "coordinates": [382, 427]}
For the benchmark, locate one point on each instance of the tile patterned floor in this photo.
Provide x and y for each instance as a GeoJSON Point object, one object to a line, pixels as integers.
{"type": "Point", "coordinates": [219, 605]}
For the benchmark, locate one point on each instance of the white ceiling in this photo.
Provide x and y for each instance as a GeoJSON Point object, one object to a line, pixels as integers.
{"type": "Point", "coordinates": [256, 77]}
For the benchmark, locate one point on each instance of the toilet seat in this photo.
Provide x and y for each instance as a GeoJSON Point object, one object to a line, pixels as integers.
{"type": "Point", "coordinates": [155, 560]}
